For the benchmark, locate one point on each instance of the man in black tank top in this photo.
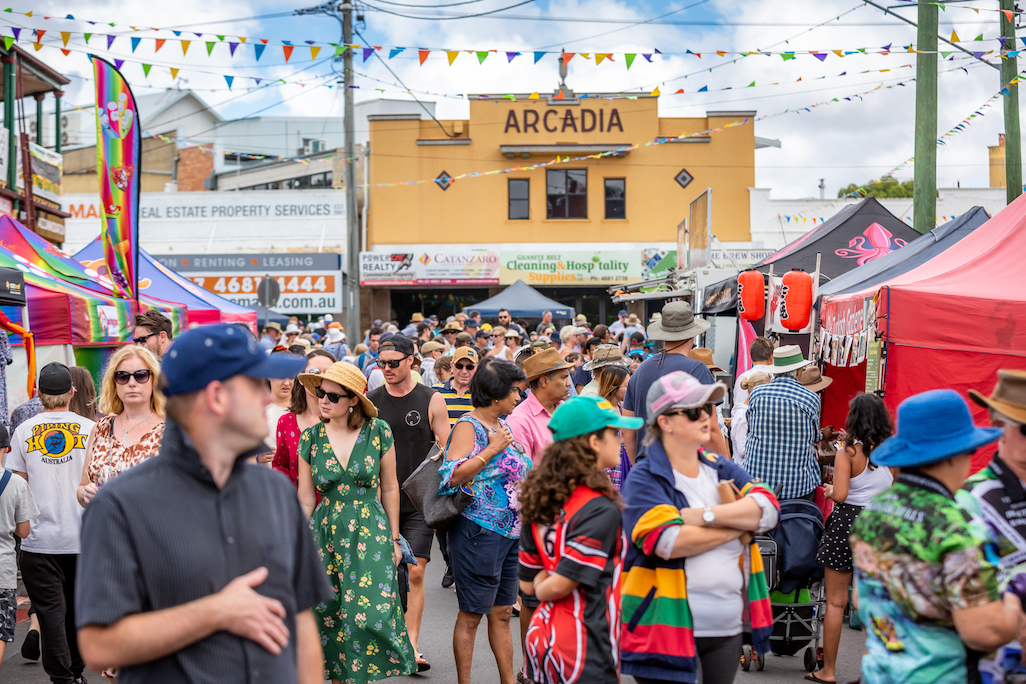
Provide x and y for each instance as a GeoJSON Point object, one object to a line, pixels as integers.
{"type": "Point", "coordinates": [418, 418]}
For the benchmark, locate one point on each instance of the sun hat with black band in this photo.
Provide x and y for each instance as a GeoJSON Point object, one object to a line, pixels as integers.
{"type": "Point", "coordinates": [348, 377]}
{"type": "Point", "coordinates": [452, 326]}
{"type": "Point", "coordinates": [1008, 397]}
{"type": "Point", "coordinates": [584, 415]}
{"type": "Point", "coordinates": [606, 355]}
{"type": "Point", "coordinates": [544, 362]}
{"type": "Point", "coordinates": [932, 427]}
{"type": "Point", "coordinates": [212, 353]}
{"type": "Point", "coordinates": [680, 390]}
{"type": "Point", "coordinates": [55, 379]}
{"type": "Point", "coordinates": [788, 358]}
{"type": "Point", "coordinates": [677, 323]}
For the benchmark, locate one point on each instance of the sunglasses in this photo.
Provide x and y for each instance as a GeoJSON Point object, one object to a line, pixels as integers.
{"type": "Point", "coordinates": [464, 366]}
{"type": "Point", "coordinates": [141, 376]}
{"type": "Point", "coordinates": [692, 413]}
{"type": "Point", "coordinates": [142, 340]}
{"type": "Point", "coordinates": [394, 363]}
{"type": "Point", "coordinates": [332, 397]}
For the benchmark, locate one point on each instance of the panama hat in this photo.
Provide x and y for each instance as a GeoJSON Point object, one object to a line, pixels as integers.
{"type": "Point", "coordinates": [544, 362]}
{"type": "Point", "coordinates": [417, 318]}
{"type": "Point", "coordinates": [932, 427]}
{"type": "Point", "coordinates": [348, 376]}
{"type": "Point", "coordinates": [813, 379]}
{"type": "Point", "coordinates": [677, 323]}
{"type": "Point", "coordinates": [606, 355]}
{"type": "Point", "coordinates": [633, 320]}
{"type": "Point", "coordinates": [705, 356]}
{"type": "Point", "coordinates": [788, 358]}
{"type": "Point", "coordinates": [1008, 397]}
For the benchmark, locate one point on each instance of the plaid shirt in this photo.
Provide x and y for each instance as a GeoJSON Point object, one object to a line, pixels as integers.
{"type": "Point", "coordinates": [783, 428]}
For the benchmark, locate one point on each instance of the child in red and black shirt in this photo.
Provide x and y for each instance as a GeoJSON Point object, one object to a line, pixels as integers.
{"type": "Point", "coordinates": [572, 547]}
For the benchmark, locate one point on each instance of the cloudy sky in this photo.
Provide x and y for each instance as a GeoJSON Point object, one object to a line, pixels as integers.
{"type": "Point", "coordinates": [843, 143]}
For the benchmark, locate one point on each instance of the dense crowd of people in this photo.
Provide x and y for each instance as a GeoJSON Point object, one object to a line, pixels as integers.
{"type": "Point", "coordinates": [229, 507]}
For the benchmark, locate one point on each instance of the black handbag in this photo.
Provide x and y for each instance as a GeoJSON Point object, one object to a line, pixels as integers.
{"type": "Point", "coordinates": [438, 510]}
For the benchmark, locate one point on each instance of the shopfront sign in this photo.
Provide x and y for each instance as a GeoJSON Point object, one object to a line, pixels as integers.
{"type": "Point", "coordinates": [434, 267]}
{"type": "Point", "coordinates": [309, 283]}
{"type": "Point", "coordinates": [556, 268]}
{"type": "Point", "coordinates": [563, 120]}
{"type": "Point", "coordinates": [223, 222]}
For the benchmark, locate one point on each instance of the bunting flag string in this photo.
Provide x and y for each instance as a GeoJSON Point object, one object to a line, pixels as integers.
{"type": "Point", "coordinates": [423, 53]}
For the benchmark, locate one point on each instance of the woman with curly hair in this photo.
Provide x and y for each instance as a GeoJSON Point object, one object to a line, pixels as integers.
{"type": "Point", "coordinates": [572, 547]}
{"type": "Point", "coordinates": [856, 481]}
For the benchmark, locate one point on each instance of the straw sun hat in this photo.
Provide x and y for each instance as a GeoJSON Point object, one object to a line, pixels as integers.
{"type": "Point", "coordinates": [348, 376]}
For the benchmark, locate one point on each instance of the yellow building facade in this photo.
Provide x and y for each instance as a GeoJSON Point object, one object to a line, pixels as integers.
{"type": "Point", "coordinates": [620, 209]}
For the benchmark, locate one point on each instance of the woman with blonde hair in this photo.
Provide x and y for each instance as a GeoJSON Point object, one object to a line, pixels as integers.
{"type": "Point", "coordinates": [134, 422]}
{"type": "Point", "coordinates": [133, 427]}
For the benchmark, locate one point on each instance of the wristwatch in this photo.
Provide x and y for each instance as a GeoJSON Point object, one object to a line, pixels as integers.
{"type": "Point", "coordinates": [708, 516]}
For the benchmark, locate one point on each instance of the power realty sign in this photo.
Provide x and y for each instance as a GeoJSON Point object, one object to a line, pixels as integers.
{"type": "Point", "coordinates": [310, 283]}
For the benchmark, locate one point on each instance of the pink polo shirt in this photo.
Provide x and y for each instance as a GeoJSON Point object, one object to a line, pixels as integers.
{"type": "Point", "coordinates": [530, 425]}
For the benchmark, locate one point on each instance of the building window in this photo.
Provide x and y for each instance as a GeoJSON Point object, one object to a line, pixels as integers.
{"type": "Point", "coordinates": [567, 193]}
{"type": "Point", "coordinates": [616, 198]}
{"type": "Point", "coordinates": [519, 199]}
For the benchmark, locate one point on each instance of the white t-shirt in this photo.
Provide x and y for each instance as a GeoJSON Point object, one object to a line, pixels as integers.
{"type": "Point", "coordinates": [50, 448]}
{"type": "Point", "coordinates": [16, 506]}
{"type": "Point", "coordinates": [715, 579]}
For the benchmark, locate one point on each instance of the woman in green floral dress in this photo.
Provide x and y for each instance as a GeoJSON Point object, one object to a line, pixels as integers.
{"type": "Point", "coordinates": [345, 457]}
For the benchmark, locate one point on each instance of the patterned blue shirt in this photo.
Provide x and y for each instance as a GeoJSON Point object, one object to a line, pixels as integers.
{"type": "Point", "coordinates": [494, 506]}
{"type": "Point", "coordinates": [783, 428]}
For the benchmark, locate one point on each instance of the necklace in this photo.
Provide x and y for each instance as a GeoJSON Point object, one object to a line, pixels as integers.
{"type": "Point", "coordinates": [126, 431]}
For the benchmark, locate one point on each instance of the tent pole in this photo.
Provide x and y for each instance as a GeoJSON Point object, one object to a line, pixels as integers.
{"type": "Point", "coordinates": [769, 301]}
{"type": "Point", "coordinates": [812, 331]}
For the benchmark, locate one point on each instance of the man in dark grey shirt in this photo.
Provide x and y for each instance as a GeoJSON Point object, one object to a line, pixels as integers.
{"type": "Point", "coordinates": [196, 565]}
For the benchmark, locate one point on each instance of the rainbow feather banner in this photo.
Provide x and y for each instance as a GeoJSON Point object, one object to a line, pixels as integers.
{"type": "Point", "coordinates": [119, 143]}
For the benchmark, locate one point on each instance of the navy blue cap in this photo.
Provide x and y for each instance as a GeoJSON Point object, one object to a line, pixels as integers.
{"type": "Point", "coordinates": [218, 352]}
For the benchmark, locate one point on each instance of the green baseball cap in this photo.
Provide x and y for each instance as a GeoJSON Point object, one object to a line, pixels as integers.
{"type": "Point", "coordinates": [583, 415]}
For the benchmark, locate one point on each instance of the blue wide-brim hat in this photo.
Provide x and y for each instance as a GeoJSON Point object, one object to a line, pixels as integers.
{"type": "Point", "coordinates": [932, 426]}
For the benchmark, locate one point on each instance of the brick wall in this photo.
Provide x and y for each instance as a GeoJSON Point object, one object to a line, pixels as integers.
{"type": "Point", "coordinates": [195, 165]}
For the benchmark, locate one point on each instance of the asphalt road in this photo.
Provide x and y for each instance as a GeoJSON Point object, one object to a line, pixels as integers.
{"type": "Point", "coordinates": [436, 644]}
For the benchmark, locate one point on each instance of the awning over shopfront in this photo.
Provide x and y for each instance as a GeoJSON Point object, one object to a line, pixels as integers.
{"type": "Point", "coordinates": [522, 301]}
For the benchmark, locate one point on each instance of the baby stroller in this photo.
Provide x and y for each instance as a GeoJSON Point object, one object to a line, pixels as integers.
{"type": "Point", "coordinates": [795, 582]}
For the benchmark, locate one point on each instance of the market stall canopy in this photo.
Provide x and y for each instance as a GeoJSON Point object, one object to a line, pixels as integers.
{"type": "Point", "coordinates": [522, 301]}
{"type": "Point", "coordinates": [856, 235]}
{"type": "Point", "coordinates": [31, 249]}
{"type": "Point", "coordinates": [158, 280]}
{"type": "Point", "coordinates": [921, 250]}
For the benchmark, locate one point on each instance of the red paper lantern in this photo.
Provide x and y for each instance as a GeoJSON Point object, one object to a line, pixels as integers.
{"type": "Point", "coordinates": [751, 296]}
{"type": "Point", "coordinates": [796, 300]}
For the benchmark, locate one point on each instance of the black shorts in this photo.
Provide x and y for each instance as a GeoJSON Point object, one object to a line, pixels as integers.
{"type": "Point", "coordinates": [416, 533]}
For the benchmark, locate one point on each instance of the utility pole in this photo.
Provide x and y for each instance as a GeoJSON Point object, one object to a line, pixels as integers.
{"type": "Point", "coordinates": [351, 283]}
{"type": "Point", "coordinates": [924, 192]}
{"type": "Point", "coordinates": [1013, 148]}
{"type": "Point", "coordinates": [352, 290]}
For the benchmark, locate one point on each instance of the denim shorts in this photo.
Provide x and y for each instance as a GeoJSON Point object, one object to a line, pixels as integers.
{"type": "Point", "coordinates": [484, 564]}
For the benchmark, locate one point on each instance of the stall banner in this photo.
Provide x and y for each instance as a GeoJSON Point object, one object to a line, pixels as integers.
{"type": "Point", "coordinates": [310, 283]}
{"type": "Point", "coordinates": [118, 146]}
{"type": "Point", "coordinates": [656, 261]}
{"type": "Point", "coordinates": [569, 268]}
{"type": "Point", "coordinates": [435, 267]}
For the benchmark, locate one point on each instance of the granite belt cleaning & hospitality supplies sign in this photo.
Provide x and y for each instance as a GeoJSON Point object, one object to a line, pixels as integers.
{"type": "Point", "coordinates": [569, 268]}
{"type": "Point", "coordinates": [310, 283]}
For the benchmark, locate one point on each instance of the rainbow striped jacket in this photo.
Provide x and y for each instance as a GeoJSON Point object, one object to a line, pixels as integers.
{"type": "Point", "coordinates": [657, 640]}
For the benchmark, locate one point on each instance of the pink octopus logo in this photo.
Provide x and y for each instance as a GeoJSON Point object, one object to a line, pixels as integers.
{"type": "Point", "coordinates": [879, 244]}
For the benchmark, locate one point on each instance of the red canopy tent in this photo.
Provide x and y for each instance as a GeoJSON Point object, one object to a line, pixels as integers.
{"type": "Point", "coordinates": [957, 319]}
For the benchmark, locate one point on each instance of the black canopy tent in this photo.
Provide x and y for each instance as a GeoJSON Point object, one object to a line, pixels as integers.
{"type": "Point", "coordinates": [522, 301]}
{"type": "Point", "coordinates": [856, 235]}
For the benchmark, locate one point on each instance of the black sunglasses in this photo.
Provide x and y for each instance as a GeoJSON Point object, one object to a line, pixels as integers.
{"type": "Point", "coordinates": [394, 363]}
{"type": "Point", "coordinates": [142, 340]}
{"type": "Point", "coordinates": [141, 376]}
{"type": "Point", "coordinates": [692, 413]}
{"type": "Point", "coordinates": [464, 366]}
{"type": "Point", "coordinates": [332, 397]}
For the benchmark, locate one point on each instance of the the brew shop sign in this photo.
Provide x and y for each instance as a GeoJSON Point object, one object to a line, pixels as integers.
{"type": "Point", "coordinates": [310, 283]}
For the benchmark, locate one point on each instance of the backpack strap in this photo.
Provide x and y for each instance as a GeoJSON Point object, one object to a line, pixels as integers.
{"type": "Point", "coordinates": [4, 480]}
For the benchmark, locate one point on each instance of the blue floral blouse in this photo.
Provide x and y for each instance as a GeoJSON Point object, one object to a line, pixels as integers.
{"type": "Point", "coordinates": [494, 506]}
